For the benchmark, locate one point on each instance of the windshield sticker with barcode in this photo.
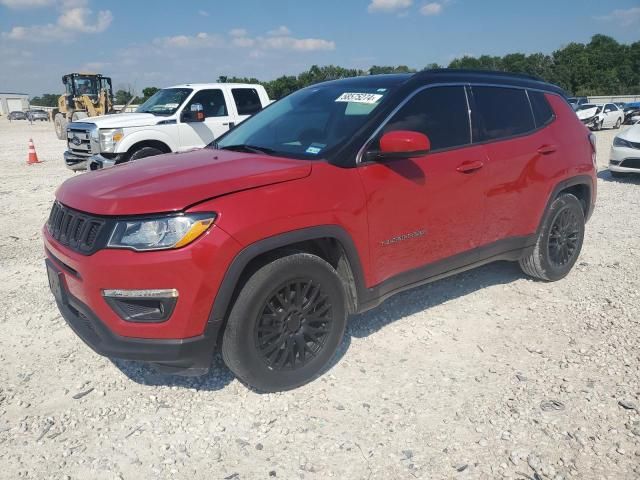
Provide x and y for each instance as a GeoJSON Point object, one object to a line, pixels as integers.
{"type": "Point", "coordinates": [359, 97]}
{"type": "Point", "coordinates": [315, 148]}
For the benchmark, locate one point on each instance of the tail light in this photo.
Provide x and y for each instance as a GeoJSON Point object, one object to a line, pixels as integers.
{"type": "Point", "coordinates": [592, 140]}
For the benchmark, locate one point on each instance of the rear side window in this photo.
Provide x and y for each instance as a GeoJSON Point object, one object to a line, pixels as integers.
{"type": "Point", "coordinates": [441, 113]}
{"type": "Point", "coordinates": [503, 112]}
{"type": "Point", "coordinates": [542, 112]}
{"type": "Point", "coordinates": [212, 102]}
{"type": "Point", "coordinates": [247, 100]}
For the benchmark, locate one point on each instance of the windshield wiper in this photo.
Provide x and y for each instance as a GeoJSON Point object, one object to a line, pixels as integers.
{"type": "Point", "coordinates": [246, 148]}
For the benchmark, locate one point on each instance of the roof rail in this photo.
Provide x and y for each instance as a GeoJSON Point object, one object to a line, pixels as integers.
{"type": "Point", "coordinates": [495, 73]}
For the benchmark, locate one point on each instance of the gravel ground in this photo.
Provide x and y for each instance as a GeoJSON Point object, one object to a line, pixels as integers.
{"type": "Point", "coordinates": [484, 375]}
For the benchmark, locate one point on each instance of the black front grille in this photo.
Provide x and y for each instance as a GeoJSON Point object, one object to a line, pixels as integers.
{"type": "Point", "coordinates": [78, 231]}
{"type": "Point", "coordinates": [631, 163]}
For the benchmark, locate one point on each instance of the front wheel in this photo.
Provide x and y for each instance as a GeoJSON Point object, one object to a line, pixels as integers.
{"type": "Point", "coordinates": [145, 152]}
{"type": "Point", "coordinates": [286, 324]}
{"type": "Point", "coordinates": [559, 240]}
{"type": "Point", "coordinates": [618, 123]}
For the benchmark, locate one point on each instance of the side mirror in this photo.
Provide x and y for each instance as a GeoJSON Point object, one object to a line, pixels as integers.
{"type": "Point", "coordinates": [401, 144]}
{"type": "Point", "coordinates": [194, 114]}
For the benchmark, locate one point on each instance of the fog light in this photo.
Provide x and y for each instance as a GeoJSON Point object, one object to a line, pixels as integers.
{"type": "Point", "coordinates": [145, 306]}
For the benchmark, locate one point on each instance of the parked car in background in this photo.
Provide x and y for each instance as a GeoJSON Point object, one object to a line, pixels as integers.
{"type": "Point", "coordinates": [17, 115]}
{"type": "Point", "coordinates": [575, 102]}
{"type": "Point", "coordinates": [174, 119]}
{"type": "Point", "coordinates": [625, 152]}
{"type": "Point", "coordinates": [41, 115]}
{"type": "Point", "coordinates": [632, 113]}
{"type": "Point", "coordinates": [597, 117]}
{"type": "Point", "coordinates": [620, 105]}
{"type": "Point", "coordinates": [320, 206]}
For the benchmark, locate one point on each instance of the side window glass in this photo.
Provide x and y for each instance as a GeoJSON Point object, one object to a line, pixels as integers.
{"type": "Point", "coordinates": [212, 102]}
{"type": "Point", "coordinates": [441, 113]}
{"type": "Point", "coordinates": [542, 112]}
{"type": "Point", "coordinates": [247, 100]}
{"type": "Point", "coordinates": [504, 112]}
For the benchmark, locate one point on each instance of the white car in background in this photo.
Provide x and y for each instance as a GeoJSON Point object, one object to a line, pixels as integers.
{"type": "Point", "coordinates": [174, 119]}
{"type": "Point", "coordinates": [597, 117]}
{"type": "Point", "coordinates": [625, 152]}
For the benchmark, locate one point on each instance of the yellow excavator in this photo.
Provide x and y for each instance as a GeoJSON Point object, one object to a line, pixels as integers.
{"type": "Point", "coordinates": [86, 95]}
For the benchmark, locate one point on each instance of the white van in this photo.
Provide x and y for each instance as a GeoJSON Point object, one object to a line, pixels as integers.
{"type": "Point", "coordinates": [175, 119]}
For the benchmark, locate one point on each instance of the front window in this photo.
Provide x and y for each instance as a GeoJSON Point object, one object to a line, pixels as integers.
{"type": "Point", "coordinates": [86, 85]}
{"type": "Point", "coordinates": [165, 101]}
{"type": "Point", "coordinates": [308, 123]}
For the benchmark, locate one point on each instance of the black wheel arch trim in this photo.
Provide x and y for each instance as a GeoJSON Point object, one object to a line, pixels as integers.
{"type": "Point", "coordinates": [232, 276]}
{"type": "Point", "coordinates": [584, 180]}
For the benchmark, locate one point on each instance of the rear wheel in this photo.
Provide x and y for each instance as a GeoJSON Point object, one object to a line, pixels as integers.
{"type": "Point", "coordinates": [618, 123]}
{"type": "Point", "coordinates": [559, 241]}
{"type": "Point", "coordinates": [286, 323]}
{"type": "Point", "coordinates": [60, 124]}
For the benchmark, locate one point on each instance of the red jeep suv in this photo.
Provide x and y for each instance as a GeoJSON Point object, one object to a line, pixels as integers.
{"type": "Point", "coordinates": [321, 205]}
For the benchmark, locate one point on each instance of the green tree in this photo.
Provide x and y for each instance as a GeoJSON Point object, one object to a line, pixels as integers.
{"type": "Point", "coordinates": [45, 100]}
{"type": "Point", "coordinates": [149, 92]}
{"type": "Point", "coordinates": [122, 97]}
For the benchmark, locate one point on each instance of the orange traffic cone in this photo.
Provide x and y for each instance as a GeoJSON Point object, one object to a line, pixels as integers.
{"type": "Point", "coordinates": [33, 156]}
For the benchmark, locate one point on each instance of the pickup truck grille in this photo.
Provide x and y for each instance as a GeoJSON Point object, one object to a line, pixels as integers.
{"type": "Point", "coordinates": [80, 232]}
{"type": "Point", "coordinates": [79, 140]}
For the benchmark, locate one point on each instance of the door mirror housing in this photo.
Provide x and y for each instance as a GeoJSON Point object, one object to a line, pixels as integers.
{"type": "Point", "coordinates": [400, 144]}
{"type": "Point", "coordinates": [194, 114]}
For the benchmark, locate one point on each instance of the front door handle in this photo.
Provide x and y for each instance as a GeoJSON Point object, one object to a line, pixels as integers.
{"type": "Point", "coordinates": [547, 149]}
{"type": "Point", "coordinates": [470, 167]}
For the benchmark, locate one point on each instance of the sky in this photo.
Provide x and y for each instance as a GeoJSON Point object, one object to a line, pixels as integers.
{"type": "Point", "coordinates": [165, 42]}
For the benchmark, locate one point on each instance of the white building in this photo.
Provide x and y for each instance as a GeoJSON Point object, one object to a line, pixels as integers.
{"type": "Point", "coordinates": [10, 102]}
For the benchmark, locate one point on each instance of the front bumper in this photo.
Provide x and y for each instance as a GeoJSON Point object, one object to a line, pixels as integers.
{"type": "Point", "coordinates": [92, 162]}
{"type": "Point", "coordinates": [75, 162]}
{"type": "Point", "coordinates": [624, 160]}
{"type": "Point", "coordinates": [189, 356]}
{"type": "Point", "coordinates": [98, 162]}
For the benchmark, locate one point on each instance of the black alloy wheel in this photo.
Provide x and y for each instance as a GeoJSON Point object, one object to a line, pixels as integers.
{"type": "Point", "coordinates": [286, 323]}
{"type": "Point", "coordinates": [564, 237]}
{"type": "Point", "coordinates": [294, 324]}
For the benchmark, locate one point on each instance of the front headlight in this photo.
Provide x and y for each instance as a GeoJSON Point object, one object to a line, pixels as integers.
{"type": "Point", "coordinates": [109, 137]}
{"type": "Point", "coordinates": [160, 233]}
{"type": "Point", "coordinates": [619, 142]}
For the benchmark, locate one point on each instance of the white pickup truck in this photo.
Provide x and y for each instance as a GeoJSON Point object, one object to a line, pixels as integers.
{"type": "Point", "coordinates": [175, 119]}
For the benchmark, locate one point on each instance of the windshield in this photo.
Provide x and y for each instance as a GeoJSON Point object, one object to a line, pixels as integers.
{"type": "Point", "coordinates": [86, 85]}
{"type": "Point", "coordinates": [165, 101]}
{"type": "Point", "coordinates": [308, 123]}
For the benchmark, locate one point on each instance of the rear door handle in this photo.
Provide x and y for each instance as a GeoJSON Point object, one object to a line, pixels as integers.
{"type": "Point", "coordinates": [547, 149]}
{"type": "Point", "coordinates": [470, 167]}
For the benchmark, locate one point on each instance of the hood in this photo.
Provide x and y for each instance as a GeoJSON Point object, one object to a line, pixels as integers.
{"type": "Point", "coordinates": [631, 134]}
{"type": "Point", "coordinates": [586, 113]}
{"type": "Point", "coordinates": [121, 120]}
{"type": "Point", "coordinates": [175, 181]}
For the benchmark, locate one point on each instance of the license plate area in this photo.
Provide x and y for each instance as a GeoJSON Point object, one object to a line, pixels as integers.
{"type": "Point", "coordinates": [55, 282]}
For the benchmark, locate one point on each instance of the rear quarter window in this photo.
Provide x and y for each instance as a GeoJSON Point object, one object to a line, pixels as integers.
{"type": "Point", "coordinates": [247, 100]}
{"type": "Point", "coordinates": [502, 112]}
{"type": "Point", "coordinates": [542, 111]}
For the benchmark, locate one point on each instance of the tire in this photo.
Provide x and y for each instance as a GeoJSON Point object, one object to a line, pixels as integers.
{"type": "Point", "coordinates": [562, 226]}
{"type": "Point", "coordinates": [60, 124]}
{"type": "Point", "coordinates": [618, 123]}
{"type": "Point", "coordinates": [145, 152]}
{"type": "Point", "coordinates": [270, 319]}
